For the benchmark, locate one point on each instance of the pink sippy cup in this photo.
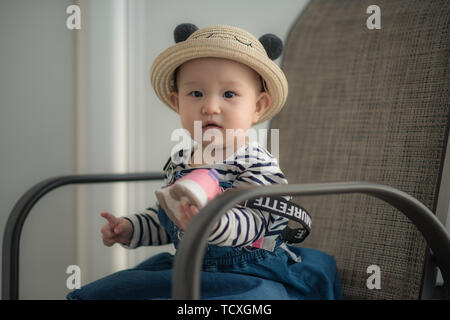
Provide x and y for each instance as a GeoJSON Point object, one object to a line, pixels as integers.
{"type": "Point", "coordinates": [197, 187]}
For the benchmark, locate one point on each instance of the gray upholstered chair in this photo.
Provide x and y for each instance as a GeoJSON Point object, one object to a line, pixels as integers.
{"type": "Point", "coordinates": [368, 105]}
{"type": "Point", "coordinates": [364, 105]}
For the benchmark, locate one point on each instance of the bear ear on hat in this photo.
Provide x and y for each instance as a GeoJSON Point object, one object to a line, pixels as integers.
{"type": "Point", "coordinates": [183, 31]}
{"type": "Point", "coordinates": [272, 44]}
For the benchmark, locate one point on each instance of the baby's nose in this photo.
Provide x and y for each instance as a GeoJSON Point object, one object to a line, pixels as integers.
{"type": "Point", "coordinates": [211, 106]}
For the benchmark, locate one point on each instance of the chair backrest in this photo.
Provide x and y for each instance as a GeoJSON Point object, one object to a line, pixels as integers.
{"type": "Point", "coordinates": [368, 105]}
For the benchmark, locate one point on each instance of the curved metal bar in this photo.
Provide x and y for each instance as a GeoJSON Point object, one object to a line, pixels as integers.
{"type": "Point", "coordinates": [16, 219]}
{"type": "Point", "coordinates": [191, 250]}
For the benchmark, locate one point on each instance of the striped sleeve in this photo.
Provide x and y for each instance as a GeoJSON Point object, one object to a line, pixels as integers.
{"type": "Point", "coordinates": [238, 227]}
{"type": "Point", "coordinates": [147, 230]}
{"type": "Point", "coordinates": [242, 226]}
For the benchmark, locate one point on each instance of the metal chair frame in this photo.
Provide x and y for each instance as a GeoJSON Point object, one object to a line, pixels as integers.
{"type": "Point", "coordinates": [188, 260]}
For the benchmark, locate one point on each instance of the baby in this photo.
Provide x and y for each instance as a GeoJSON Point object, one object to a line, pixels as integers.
{"type": "Point", "coordinates": [222, 94]}
{"type": "Point", "coordinates": [223, 79]}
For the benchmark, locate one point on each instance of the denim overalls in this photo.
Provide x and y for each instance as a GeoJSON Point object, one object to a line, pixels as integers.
{"type": "Point", "coordinates": [227, 273]}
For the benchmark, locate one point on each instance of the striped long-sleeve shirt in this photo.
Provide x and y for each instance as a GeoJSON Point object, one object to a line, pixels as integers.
{"type": "Point", "coordinates": [239, 226]}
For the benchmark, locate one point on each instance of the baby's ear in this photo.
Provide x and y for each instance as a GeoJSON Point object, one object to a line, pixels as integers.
{"type": "Point", "coordinates": [262, 104]}
{"type": "Point", "coordinates": [174, 100]}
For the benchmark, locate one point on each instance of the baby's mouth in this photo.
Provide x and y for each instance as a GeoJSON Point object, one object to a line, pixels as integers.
{"type": "Point", "coordinates": [211, 125]}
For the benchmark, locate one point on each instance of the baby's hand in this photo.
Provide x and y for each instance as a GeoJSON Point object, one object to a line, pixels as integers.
{"type": "Point", "coordinates": [187, 212]}
{"type": "Point", "coordinates": [116, 230]}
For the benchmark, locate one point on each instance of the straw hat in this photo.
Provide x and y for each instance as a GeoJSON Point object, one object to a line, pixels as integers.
{"type": "Point", "coordinates": [228, 42]}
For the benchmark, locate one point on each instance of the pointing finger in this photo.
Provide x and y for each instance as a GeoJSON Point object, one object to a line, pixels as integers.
{"type": "Point", "coordinates": [111, 219]}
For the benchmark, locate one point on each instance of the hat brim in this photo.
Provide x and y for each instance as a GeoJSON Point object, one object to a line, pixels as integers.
{"type": "Point", "coordinates": [163, 68]}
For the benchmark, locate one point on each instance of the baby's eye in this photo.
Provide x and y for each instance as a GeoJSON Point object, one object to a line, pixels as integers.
{"type": "Point", "coordinates": [196, 94]}
{"type": "Point", "coordinates": [229, 94]}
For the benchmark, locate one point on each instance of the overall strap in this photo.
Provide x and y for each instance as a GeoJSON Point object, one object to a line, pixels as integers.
{"type": "Point", "coordinates": [279, 206]}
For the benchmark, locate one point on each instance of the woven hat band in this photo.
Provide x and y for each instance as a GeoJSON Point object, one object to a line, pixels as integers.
{"type": "Point", "coordinates": [231, 34]}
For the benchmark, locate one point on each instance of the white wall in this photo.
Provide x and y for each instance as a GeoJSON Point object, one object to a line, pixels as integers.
{"type": "Point", "coordinates": [37, 136]}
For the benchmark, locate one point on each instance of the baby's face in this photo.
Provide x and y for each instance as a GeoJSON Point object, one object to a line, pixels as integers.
{"type": "Point", "coordinates": [221, 94]}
